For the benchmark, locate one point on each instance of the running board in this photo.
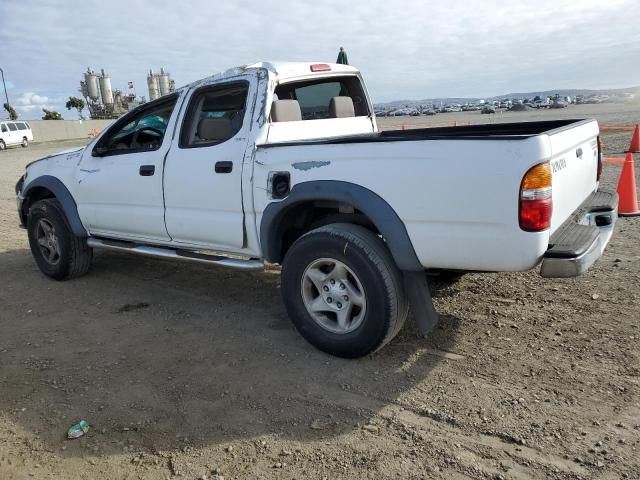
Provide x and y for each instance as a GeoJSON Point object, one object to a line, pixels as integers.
{"type": "Point", "coordinates": [174, 254]}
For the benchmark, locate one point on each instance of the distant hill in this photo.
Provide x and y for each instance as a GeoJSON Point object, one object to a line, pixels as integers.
{"type": "Point", "coordinates": [620, 93]}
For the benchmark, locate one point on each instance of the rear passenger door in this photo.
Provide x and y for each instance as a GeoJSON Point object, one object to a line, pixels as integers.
{"type": "Point", "coordinates": [202, 185]}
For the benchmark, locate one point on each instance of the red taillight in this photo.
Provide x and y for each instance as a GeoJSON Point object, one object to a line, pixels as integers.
{"type": "Point", "coordinates": [320, 67]}
{"type": "Point", "coordinates": [536, 205]}
{"type": "Point", "coordinates": [535, 215]}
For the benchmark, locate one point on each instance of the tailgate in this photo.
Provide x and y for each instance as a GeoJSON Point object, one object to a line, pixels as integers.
{"type": "Point", "coordinates": [574, 167]}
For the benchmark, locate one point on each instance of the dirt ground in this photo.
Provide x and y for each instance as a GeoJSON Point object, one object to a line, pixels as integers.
{"type": "Point", "coordinates": [191, 372]}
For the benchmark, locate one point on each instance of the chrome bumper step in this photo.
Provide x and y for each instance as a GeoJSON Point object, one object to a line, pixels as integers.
{"type": "Point", "coordinates": [581, 240]}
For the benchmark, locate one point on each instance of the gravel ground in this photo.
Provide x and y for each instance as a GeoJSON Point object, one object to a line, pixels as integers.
{"type": "Point", "coordinates": [192, 372]}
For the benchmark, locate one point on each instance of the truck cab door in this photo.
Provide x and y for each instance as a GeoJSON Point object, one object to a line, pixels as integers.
{"type": "Point", "coordinates": [203, 172]}
{"type": "Point", "coordinates": [119, 189]}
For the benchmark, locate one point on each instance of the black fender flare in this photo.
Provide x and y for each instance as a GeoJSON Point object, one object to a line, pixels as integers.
{"type": "Point", "coordinates": [369, 203]}
{"type": "Point", "coordinates": [62, 194]}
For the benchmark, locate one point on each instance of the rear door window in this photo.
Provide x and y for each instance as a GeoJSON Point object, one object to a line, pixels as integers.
{"type": "Point", "coordinates": [215, 115]}
{"type": "Point", "coordinates": [12, 127]}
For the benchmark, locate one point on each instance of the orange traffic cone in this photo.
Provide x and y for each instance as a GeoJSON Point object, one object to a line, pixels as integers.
{"type": "Point", "coordinates": [635, 140]}
{"type": "Point", "coordinates": [628, 201]}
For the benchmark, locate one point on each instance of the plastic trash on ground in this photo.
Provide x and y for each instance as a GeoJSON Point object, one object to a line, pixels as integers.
{"type": "Point", "coordinates": [78, 430]}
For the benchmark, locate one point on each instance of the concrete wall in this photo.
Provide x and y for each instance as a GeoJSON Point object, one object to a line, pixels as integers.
{"type": "Point", "coordinates": [49, 130]}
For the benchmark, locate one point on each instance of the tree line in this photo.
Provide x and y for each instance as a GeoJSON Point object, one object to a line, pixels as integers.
{"type": "Point", "coordinates": [74, 103]}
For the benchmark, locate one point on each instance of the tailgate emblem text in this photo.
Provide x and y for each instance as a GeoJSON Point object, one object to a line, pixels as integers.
{"type": "Point", "coordinates": [558, 165]}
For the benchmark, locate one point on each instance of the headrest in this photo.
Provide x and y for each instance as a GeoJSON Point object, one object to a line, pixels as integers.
{"type": "Point", "coordinates": [286, 111]}
{"type": "Point", "coordinates": [214, 128]}
{"type": "Point", "coordinates": [341, 107]}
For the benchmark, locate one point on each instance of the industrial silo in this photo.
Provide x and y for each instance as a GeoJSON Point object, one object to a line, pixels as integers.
{"type": "Point", "coordinates": [152, 83]}
{"type": "Point", "coordinates": [91, 81]}
{"type": "Point", "coordinates": [163, 82]}
{"type": "Point", "coordinates": [105, 89]}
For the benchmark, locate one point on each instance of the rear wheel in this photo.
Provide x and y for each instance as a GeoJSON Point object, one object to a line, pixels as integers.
{"type": "Point", "coordinates": [25, 142]}
{"type": "Point", "coordinates": [2, 145]}
{"type": "Point", "coordinates": [343, 291]}
{"type": "Point", "coordinates": [57, 251]}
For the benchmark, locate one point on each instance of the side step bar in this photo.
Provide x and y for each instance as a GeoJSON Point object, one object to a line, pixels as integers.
{"type": "Point", "coordinates": [176, 254]}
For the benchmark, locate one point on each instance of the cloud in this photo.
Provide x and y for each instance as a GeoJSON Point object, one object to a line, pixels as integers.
{"type": "Point", "coordinates": [416, 49]}
{"type": "Point", "coordinates": [29, 99]}
{"type": "Point", "coordinates": [30, 102]}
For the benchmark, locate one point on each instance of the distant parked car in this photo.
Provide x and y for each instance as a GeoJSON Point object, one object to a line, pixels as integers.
{"type": "Point", "coordinates": [559, 103]}
{"type": "Point", "coordinates": [430, 111]}
{"type": "Point", "coordinates": [488, 109]}
{"type": "Point", "coordinates": [452, 108]}
{"type": "Point", "coordinates": [15, 133]}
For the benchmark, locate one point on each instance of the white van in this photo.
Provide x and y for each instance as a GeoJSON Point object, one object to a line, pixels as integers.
{"type": "Point", "coordinates": [15, 133]}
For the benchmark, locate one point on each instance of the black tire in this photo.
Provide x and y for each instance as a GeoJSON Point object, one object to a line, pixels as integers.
{"type": "Point", "coordinates": [3, 146]}
{"type": "Point", "coordinates": [25, 142]}
{"type": "Point", "coordinates": [73, 255]}
{"type": "Point", "coordinates": [366, 255]}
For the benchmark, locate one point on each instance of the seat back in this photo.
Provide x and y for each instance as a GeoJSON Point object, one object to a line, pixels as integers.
{"type": "Point", "coordinates": [285, 111]}
{"type": "Point", "coordinates": [341, 107]}
{"type": "Point", "coordinates": [214, 129]}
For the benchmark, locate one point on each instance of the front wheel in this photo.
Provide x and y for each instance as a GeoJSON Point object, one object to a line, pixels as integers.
{"type": "Point", "coordinates": [343, 291]}
{"type": "Point", "coordinates": [57, 251]}
{"type": "Point", "coordinates": [25, 142]}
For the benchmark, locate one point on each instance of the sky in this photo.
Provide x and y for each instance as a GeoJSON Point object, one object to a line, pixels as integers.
{"type": "Point", "coordinates": [405, 50]}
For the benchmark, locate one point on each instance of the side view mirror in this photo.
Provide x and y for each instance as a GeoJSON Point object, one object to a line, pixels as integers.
{"type": "Point", "coordinates": [99, 151]}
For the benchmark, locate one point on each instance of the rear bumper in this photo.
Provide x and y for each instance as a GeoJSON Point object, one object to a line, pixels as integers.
{"type": "Point", "coordinates": [581, 240]}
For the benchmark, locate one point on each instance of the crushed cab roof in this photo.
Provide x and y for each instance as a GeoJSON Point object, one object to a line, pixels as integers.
{"type": "Point", "coordinates": [281, 69]}
{"type": "Point", "coordinates": [299, 69]}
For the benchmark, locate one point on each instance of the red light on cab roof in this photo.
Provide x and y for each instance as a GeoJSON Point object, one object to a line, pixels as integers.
{"type": "Point", "coordinates": [320, 67]}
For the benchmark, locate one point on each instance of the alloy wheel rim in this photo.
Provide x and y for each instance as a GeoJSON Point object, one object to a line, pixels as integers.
{"type": "Point", "coordinates": [48, 241]}
{"type": "Point", "coordinates": [333, 295]}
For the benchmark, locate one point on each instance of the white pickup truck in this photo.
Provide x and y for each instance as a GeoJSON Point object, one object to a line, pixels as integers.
{"type": "Point", "coordinates": [283, 162]}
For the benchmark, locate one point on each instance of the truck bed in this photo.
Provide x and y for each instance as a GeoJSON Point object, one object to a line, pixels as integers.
{"type": "Point", "coordinates": [458, 199]}
{"type": "Point", "coordinates": [492, 131]}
